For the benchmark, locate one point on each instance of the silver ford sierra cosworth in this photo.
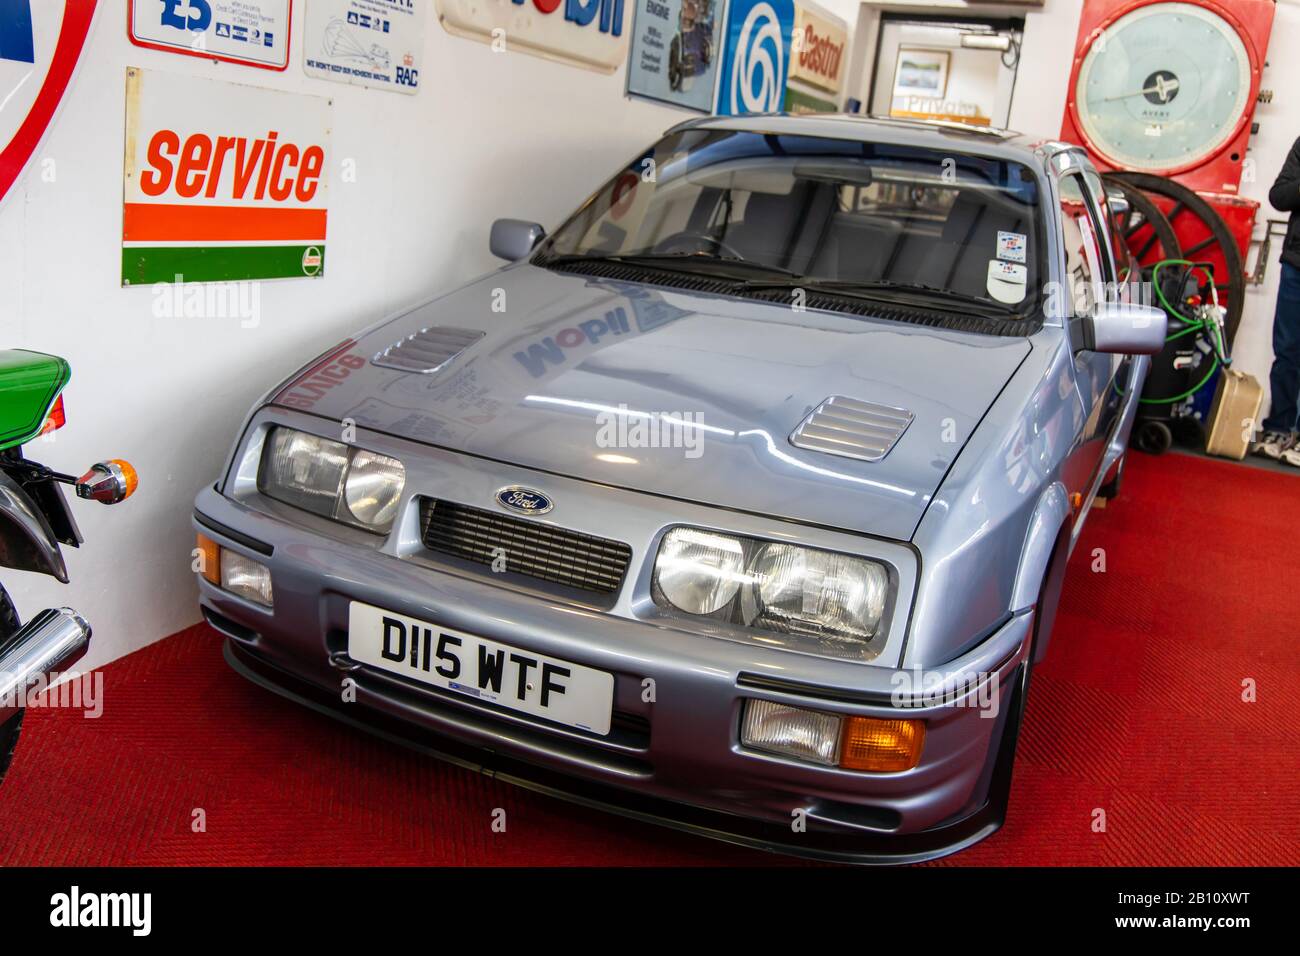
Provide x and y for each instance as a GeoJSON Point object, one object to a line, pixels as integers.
{"type": "Point", "coordinates": [740, 503]}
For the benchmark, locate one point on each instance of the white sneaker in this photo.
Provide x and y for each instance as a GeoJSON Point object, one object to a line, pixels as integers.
{"type": "Point", "coordinates": [1274, 445]}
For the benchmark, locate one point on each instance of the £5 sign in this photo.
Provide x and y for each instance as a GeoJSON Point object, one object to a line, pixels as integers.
{"type": "Point", "coordinates": [756, 61]}
{"type": "Point", "coordinates": [252, 32]}
{"type": "Point", "coordinates": [222, 182]}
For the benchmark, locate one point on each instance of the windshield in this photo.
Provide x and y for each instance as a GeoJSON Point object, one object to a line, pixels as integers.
{"type": "Point", "coordinates": [826, 214]}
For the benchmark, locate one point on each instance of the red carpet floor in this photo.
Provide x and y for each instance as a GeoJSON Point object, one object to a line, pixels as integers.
{"type": "Point", "coordinates": [1137, 712]}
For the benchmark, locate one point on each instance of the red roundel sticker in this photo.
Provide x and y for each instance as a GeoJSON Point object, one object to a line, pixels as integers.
{"type": "Point", "coordinates": [40, 44]}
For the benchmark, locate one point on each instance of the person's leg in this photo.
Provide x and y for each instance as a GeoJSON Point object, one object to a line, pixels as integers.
{"type": "Point", "coordinates": [1284, 379]}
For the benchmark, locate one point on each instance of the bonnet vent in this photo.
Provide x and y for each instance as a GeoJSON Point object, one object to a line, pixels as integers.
{"type": "Point", "coordinates": [427, 350]}
{"type": "Point", "coordinates": [852, 429]}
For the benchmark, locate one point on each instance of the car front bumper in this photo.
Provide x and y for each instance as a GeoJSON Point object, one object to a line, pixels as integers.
{"type": "Point", "coordinates": [675, 758]}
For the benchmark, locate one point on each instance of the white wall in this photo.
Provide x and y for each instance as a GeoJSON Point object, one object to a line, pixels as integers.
{"type": "Point", "coordinates": [488, 135]}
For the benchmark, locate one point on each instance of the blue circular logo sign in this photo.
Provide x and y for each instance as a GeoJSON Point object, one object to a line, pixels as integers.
{"type": "Point", "coordinates": [524, 500]}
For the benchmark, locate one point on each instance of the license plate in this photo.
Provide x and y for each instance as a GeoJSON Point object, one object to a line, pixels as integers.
{"type": "Point", "coordinates": [525, 681]}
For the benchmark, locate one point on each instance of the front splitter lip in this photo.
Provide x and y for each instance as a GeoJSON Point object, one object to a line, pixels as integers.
{"type": "Point", "coordinates": [848, 846]}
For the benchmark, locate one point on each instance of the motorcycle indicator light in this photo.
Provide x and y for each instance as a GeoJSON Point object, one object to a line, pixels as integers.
{"type": "Point", "coordinates": [56, 419]}
{"type": "Point", "coordinates": [129, 477]}
{"type": "Point", "coordinates": [108, 482]}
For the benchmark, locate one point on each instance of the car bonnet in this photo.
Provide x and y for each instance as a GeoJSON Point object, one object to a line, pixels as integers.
{"type": "Point", "coordinates": [672, 393]}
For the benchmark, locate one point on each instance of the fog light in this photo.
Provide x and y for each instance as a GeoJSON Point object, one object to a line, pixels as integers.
{"type": "Point", "coordinates": [791, 731]}
{"type": "Point", "coordinates": [245, 577]}
{"type": "Point", "coordinates": [209, 559]}
{"type": "Point", "coordinates": [882, 746]}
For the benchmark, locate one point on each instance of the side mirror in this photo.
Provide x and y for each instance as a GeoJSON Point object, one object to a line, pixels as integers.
{"type": "Point", "coordinates": [1125, 328]}
{"type": "Point", "coordinates": [513, 239]}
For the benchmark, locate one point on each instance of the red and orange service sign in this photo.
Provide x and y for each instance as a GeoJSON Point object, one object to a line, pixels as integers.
{"type": "Point", "coordinates": [222, 181]}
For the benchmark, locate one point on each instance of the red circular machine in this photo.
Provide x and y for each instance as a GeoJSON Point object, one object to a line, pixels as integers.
{"type": "Point", "coordinates": [1162, 95]}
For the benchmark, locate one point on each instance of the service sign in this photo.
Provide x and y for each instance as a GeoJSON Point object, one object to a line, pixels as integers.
{"type": "Point", "coordinates": [376, 43]}
{"type": "Point", "coordinates": [674, 51]}
{"type": "Point", "coordinates": [253, 32]}
{"type": "Point", "coordinates": [586, 33]}
{"type": "Point", "coordinates": [757, 59]}
{"type": "Point", "coordinates": [222, 182]}
{"type": "Point", "coordinates": [819, 46]}
{"type": "Point", "coordinates": [40, 44]}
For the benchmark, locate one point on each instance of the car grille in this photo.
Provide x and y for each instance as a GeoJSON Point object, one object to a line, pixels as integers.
{"type": "Point", "coordinates": [532, 549]}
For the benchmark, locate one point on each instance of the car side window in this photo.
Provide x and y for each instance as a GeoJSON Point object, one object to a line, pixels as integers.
{"type": "Point", "coordinates": [1105, 224]}
{"type": "Point", "coordinates": [1080, 232]}
{"type": "Point", "coordinates": [1120, 251]}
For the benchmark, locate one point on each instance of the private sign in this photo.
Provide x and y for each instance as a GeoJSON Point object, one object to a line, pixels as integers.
{"type": "Point", "coordinates": [221, 181]}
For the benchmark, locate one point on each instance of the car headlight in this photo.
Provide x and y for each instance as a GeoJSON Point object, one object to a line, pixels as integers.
{"type": "Point", "coordinates": [373, 488]}
{"type": "Point", "coordinates": [331, 479]}
{"type": "Point", "coordinates": [833, 604]}
{"type": "Point", "coordinates": [699, 572]}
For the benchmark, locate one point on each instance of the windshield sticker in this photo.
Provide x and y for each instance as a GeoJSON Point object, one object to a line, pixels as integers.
{"type": "Point", "coordinates": [1011, 246]}
{"type": "Point", "coordinates": [1007, 281]}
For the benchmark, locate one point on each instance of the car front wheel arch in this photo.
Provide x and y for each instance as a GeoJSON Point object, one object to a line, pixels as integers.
{"type": "Point", "coordinates": [1049, 596]}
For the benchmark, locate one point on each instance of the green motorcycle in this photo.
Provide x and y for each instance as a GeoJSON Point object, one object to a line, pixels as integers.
{"type": "Point", "coordinates": [34, 521]}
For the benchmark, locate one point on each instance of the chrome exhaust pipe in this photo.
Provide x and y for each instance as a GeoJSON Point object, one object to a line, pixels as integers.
{"type": "Point", "coordinates": [52, 640]}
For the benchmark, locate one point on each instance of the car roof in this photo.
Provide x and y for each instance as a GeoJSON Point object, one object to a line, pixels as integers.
{"type": "Point", "coordinates": [926, 134]}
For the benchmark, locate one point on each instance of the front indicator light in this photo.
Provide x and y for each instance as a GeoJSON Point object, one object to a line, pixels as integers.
{"type": "Point", "coordinates": [881, 746]}
{"type": "Point", "coordinates": [791, 731]}
{"type": "Point", "coordinates": [208, 555]}
{"type": "Point", "coordinates": [851, 743]}
{"type": "Point", "coordinates": [245, 577]}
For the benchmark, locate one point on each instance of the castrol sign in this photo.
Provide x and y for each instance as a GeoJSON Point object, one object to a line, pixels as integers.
{"type": "Point", "coordinates": [820, 43]}
{"type": "Point", "coordinates": [222, 182]}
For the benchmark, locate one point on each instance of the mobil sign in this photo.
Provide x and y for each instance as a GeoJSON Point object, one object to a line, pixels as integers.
{"type": "Point", "coordinates": [221, 181]}
{"type": "Point", "coordinates": [587, 33]}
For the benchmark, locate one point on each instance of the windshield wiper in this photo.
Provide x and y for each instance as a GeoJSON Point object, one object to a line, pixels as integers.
{"type": "Point", "coordinates": [859, 288]}
{"type": "Point", "coordinates": [779, 277]}
{"type": "Point", "coordinates": [722, 267]}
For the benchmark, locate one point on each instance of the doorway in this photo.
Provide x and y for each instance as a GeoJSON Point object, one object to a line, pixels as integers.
{"type": "Point", "coordinates": [949, 68]}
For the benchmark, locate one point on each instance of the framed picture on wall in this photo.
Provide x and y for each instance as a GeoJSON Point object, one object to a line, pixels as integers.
{"type": "Point", "coordinates": [921, 72]}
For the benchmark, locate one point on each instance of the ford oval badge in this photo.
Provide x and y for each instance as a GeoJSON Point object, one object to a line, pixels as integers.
{"type": "Point", "coordinates": [524, 500]}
